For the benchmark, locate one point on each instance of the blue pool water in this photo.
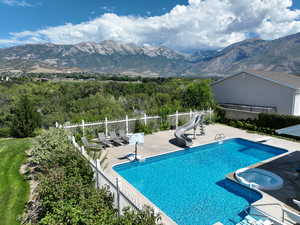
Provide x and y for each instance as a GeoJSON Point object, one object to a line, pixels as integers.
{"type": "Point", "coordinates": [190, 185]}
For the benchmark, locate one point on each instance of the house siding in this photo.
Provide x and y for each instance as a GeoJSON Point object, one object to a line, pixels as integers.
{"type": "Point", "coordinates": [246, 89]}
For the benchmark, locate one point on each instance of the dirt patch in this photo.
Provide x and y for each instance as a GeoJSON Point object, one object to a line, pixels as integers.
{"type": "Point", "coordinates": [33, 208]}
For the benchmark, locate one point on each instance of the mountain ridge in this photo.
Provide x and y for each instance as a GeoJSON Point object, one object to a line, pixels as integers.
{"type": "Point", "coordinates": [281, 55]}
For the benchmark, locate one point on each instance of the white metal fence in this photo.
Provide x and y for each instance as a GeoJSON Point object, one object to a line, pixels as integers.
{"type": "Point", "coordinates": [122, 197]}
{"type": "Point", "coordinates": [128, 124]}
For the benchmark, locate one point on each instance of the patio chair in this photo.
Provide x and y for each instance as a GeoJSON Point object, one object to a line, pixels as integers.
{"type": "Point", "coordinates": [115, 138]}
{"type": "Point", "coordinates": [102, 139]}
{"type": "Point", "coordinates": [89, 145]}
{"type": "Point", "coordinates": [123, 136]}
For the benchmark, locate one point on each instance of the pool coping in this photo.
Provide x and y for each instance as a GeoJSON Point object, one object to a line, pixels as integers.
{"type": "Point", "coordinates": [230, 176]}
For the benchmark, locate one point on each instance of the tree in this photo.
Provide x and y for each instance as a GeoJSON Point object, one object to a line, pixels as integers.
{"type": "Point", "coordinates": [198, 95]}
{"type": "Point", "coordinates": [25, 118]}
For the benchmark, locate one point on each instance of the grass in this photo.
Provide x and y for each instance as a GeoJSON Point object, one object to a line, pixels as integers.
{"type": "Point", "coordinates": [14, 190]}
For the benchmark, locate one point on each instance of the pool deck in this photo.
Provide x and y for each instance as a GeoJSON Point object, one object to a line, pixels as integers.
{"type": "Point", "coordinates": [162, 142]}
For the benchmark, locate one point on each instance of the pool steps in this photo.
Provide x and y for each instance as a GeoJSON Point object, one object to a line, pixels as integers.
{"type": "Point", "coordinates": [249, 220]}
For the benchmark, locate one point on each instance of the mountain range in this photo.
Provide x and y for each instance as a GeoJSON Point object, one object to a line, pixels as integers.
{"type": "Point", "coordinates": [112, 57]}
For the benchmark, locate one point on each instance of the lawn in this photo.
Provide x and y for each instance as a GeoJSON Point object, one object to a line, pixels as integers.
{"type": "Point", "coordinates": [14, 189]}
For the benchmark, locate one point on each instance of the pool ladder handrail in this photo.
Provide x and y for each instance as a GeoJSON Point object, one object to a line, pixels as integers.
{"type": "Point", "coordinates": [219, 137]}
{"type": "Point", "coordinates": [283, 219]}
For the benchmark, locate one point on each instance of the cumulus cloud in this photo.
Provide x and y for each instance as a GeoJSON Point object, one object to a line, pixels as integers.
{"type": "Point", "coordinates": [200, 24]}
{"type": "Point", "coordinates": [21, 3]}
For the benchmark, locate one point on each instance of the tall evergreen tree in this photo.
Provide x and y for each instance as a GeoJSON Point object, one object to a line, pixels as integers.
{"type": "Point", "coordinates": [25, 118]}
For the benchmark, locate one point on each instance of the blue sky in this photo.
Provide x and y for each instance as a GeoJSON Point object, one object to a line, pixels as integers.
{"type": "Point", "coordinates": [44, 13]}
{"type": "Point", "coordinates": [296, 4]}
{"type": "Point", "coordinates": [179, 24]}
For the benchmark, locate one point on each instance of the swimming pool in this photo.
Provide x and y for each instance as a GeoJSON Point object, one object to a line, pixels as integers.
{"type": "Point", "coordinates": [190, 185]}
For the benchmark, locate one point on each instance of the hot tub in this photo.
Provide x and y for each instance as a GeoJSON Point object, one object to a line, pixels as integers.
{"type": "Point", "coordinates": [259, 179]}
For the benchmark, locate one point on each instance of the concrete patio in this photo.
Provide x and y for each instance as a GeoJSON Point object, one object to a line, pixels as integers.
{"type": "Point", "coordinates": [162, 142]}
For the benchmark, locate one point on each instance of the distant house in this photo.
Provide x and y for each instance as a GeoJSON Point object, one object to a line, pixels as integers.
{"type": "Point", "coordinates": [260, 91]}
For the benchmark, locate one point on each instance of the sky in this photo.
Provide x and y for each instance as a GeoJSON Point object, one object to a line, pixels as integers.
{"type": "Point", "coordinates": [183, 25]}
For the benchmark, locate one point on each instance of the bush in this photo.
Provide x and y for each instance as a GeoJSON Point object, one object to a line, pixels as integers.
{"type": "Point", "coordinates": [210, 119]}
{"type": "Point", "coordinates": [5, 132]}
{"type": "Point", "coordinates": [25, 118]}
{"type": "Point", "coordinates": [142, 128]}
{"type": "Point", "coordinates": [277, 121]}
{"type": "Point", "coordinates": [165, 125]}
{"type": "Point", "coordinates": [220, 114]}
{"type": "Point", "coordinates": [66, 189]}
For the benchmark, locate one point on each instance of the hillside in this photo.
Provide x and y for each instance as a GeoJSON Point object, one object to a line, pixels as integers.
{"type": "Point", "coordinates": [113, 57]}
{"type": "Point", "coordinates": [104, 57]}
{"type": "Point", "coordinates": [281, 55]}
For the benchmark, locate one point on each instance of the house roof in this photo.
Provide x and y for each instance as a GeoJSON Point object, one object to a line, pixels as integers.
{"type": "Point", "coordinates": [281, 78]}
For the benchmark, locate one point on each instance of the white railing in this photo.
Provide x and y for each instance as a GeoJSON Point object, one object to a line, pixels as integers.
{"type": "Point", "coordinates": [124, 195]}
{"type": "Point", "coordinates": [122, 198]}
{"type": "Point", "coordinates": [284, 217]}
{"type": "Point", "coordinates": [128, 124]}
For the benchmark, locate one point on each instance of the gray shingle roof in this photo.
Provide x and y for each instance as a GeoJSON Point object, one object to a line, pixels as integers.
{"type": "Point", "coordinates": [284, 79]}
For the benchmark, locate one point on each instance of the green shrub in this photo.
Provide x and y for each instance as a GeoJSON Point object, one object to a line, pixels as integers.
{"type": "Point", "coordinates": [25, 118]}
{"type": "Point", "coordinates": [5, 132]}
{"type": "Point", "coordinates": [165, 125]}
{"type": "Point", "coordinates": [220, 115]}
{"type": "Point", "coordinates": [181, 122]}
{"type": "Point", "coordinates": [266, 123]}
{"type": "Point", "coordinates": [66, 189]}
{"type": "Point", "coordinates": [142, 128]}
{"type": "Point", "coordinates": [210, 119]}
{"type": "Point", "coordinates": [277, 121]}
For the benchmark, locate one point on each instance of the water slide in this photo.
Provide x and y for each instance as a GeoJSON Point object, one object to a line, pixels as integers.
{"type": "Point", "coordinates": [181, 138]}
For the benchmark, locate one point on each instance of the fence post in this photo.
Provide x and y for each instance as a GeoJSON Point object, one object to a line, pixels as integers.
{"type": "Point", "coordinates": [73, 140]}
{"type": "Point", "coordinates": [118, 196]}
{"type": "Point", "coordinates": [97, 175]}
{"type": "Point", "coordinates": [82, 149]}
{"type": "Point", "coordinates": [191, 114]}
{"type": "Point", "coordinates": [176, 119]}
{"type": "Point", "coordinates": [83, 133]}
{"type": "Point", "coordinates": [106, 130]}
{"type": "Point", "coordinates": [210, 111]}
{"type": "Point", "coordinates": [126, 122]}
{"type": "Point", "coordinates": [145, 118]}
{"type": "Point", "coordinates": [56, 124]}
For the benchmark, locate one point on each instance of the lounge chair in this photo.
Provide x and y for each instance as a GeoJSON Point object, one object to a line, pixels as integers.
{"type": "Point", "coordinates": [123, 136]}
{"type": "Point", "coordinates": [89, 145]}
{"type": "Point", "coordinates": [103, 140]}
{"type": "Point", "coordinates": [115, 138]}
